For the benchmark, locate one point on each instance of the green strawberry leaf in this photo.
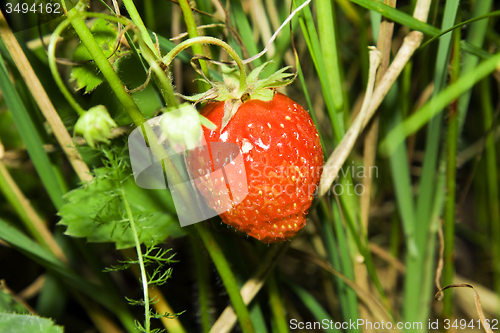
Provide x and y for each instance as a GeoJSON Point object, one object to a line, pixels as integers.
{"type": "Point", "coordinates": [88, 75]}
{"type": "Point", "coordinates": [8, 303]}
{"type": "Point", "coordinates": [96, 211]}
{"type": "Point", "coordinates": [22, 323]}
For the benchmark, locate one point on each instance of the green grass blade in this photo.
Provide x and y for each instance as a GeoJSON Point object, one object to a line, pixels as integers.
{"type": "Point", "coordinates": [414, 305]}
{"type": "Point", "coordinates": [451, 174]}
{"type": "Point", "coordinates": [242, 271]}
{"type": "Point", "coordinates": [46, 259]}
{"type": "Point", "coordinates": [33, 142]}
{"type": "Point", "coordinates": [227, 276]}
{"type": "Point", "coordinates": [475, 37]}
{"type": "Point", "coordinates": [53, 297]}
{"type": "Point", "coordinates": [400, 171]}
{"type": "Point", "coordinates": [456, 26]}
{"type": "Point", "coordinates": [398, 16]}
{"type": "Point", "coordinates": [375, 20]}
{"type": "Point", "coordinates": [202, 278]}
{"type": "Point", "coordinates": [351, 299]}
{"type": "Point", "coordinates": [333, 254]}
{"type": "Point", "coordinates": [277, 308]}
{"type": "Point", "coordinates": [312, 40]}
{"type": "Point", "coordinates": [436, 105]}
{"type": "Point", "coordinates": [429, 267]}
{"type": "Point", "coordinates": [475, 51]}
{"type": "Point", "coordinates": [316, 309]}
{"type": "Point", "coordinates": [328, 42]}
{"type": "Point", "coordinates": [402, 183]}
{"type": "Point", "coordinates": [240, 18]}
{"type": "Point", "coordinates": [401, 180]}
{"type": "Point", "coordinates": [310, 106]}
{"type": "Point", "coordinates": [149, 13]}
{"type": "Point", "coordinates": [492, 184]}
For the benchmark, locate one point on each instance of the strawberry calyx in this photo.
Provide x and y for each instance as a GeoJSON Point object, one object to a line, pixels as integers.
{"type": "Point", "coordinates": [234, 94]}
{"type": "Point", "coordinates": [95, 125]}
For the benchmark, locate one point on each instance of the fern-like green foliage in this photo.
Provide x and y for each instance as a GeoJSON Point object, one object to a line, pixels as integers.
{"type": "Point", "coordinates": [154, 255]}
{"type": "Point", "coordinates": [96, 211]}
{"type": "Point", "coordinates": [154, 260]}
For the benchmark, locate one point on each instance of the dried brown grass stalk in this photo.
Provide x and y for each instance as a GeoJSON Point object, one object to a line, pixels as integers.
{"type": "Point", "coordinates": [43, 101]}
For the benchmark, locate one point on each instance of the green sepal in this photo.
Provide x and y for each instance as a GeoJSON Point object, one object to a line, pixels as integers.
{"type": "Point", "coordinates": [263, 95]}
{"type": "Point", "coordinates": [207, 123]}
{"type": "Point", "coordinates": [253, 77]}
{"type": "Point", "coordinates": [229, 90]}
{"type": "Point", "coordinates": [276, 80]}
{"type": "Point", "coordinates": [197, 98]}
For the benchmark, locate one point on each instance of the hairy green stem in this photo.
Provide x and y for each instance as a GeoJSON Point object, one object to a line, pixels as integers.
{"type": "Point", "coordinates": [105, 67]}
{"type": "Point", "coordinates": [134, 112]}
{"type": "Point", "coordinates": [208, 40]}
{"type": "Point", "coordinates": [147, 314]}
{"type": "Point", "coordinates": [152, 55]}
{"type": "Point", "coordinates": [166, 88]}
{"type": "Point", "coordinates": [136, 18]}
{"type": "Point", "coordinates": [227, 276]}
{"type": "Point", "coordinates": [149, 54]}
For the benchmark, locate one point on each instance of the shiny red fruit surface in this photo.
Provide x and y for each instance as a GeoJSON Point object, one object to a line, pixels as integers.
{"type": "Point", "coordinates": [283, 161]}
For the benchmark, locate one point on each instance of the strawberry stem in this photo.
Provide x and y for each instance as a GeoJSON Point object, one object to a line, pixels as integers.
{"type": "Point", "coordinates": [136, 18]}
{"type": "Point", "coordinates": [137, 243]}
{"type": "Point", "coordinates": [53, 68]}
{"type": "Point", "coordinates": [162, 79]}
{"type": "Point", "coordinates": [77, 21]}
{"type": "Point", "coordinates": [193, 32]}
{"type": "Point", "coordinates": [214, 41]}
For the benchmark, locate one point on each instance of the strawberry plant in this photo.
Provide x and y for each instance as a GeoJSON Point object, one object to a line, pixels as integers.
{"type": "Point", "coordinates": [249, 166]}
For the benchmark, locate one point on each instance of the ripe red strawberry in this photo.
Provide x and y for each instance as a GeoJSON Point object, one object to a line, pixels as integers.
{"type": "Point", "coordinates": [282, 157]}
{"type": "Point", "coordinates": [281, 154]}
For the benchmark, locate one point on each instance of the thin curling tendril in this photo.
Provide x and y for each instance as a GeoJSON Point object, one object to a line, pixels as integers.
{"type": "Point", "coordinates": [167, 60]}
